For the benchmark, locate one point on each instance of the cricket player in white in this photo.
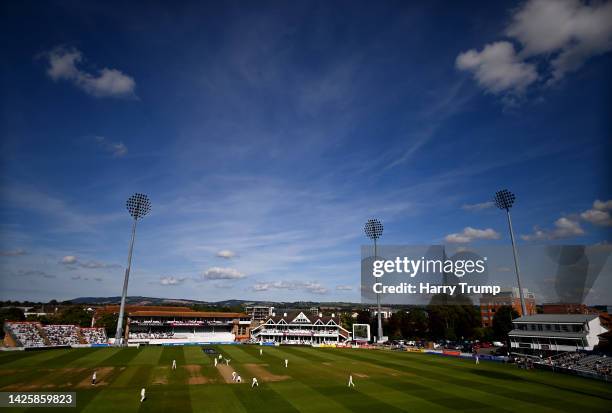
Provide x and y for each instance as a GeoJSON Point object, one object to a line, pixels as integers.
{"type": "Point", "coordinates": [233, 376]}
{"type": "Point", "coordinates": [227, 362]}
{"type": "Point", "coordinates": [286, 363]}
{"type": "Point", "coordinates": [260, 351]}
{"type": "Point", "coordinates": [93, 378]}
{"type": "Point", "coordinates": [254, 383]}
{"type": "Point", "coordinates": [238, 379]}
{"type": "Point", "coordinates": [350, 383]}
{"type": "Point", "coordinates": [173, 364]}
{"type": "Point", "coordinates": [215, 362]}
{"type": "Point", "coordinates": [477, 361]}
{"type": "Point", "coordinates": [220, 356]}
{"type": "Point", "coordinates": [142, 395]}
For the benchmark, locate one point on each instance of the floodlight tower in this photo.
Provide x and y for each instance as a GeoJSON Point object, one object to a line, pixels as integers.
{"type": "Point", "coordinates": [374, 229]}
{"type": "Point", "coordinates": [138, 205]}
{"type": "Point", "coordinates": [504, 199]}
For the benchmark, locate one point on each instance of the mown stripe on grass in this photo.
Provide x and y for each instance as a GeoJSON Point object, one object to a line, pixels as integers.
{"type": "Point", "coordinates": [112, 400]}
{"type": "Point", "coordinates": [531, 396]}
{"type": "Point", "coordinates": [121, 357]}
{"type": "Point", "coordinates": [305, 399]}
{"type": "Point", "coordinates": [301, 351]}
{"type": "Point", "coordinates": [14, 355]}
{"type": "Point", "coordinates": [166, 399]}
{"type": "Point", "coordinates": [195, 355]}
{"type": "Point", "coordinates": [218, 398]}
{"type": "Point", "coordinates": [237, 354]}
{"type": "Point", "coordinates": [147, 355]}
{"type": "Point", "coordinates": [318, 377]}
{"type": "Point", "coordinates": [261, 399]}
{"type": "Point", "coordinates": [40, 358]}
{"type": "Point", "coordinates": [448, 389]}
{"type": "Point", "coordinates": [67, 356]}
{"type": "Point", "coordinates": [170, 353]}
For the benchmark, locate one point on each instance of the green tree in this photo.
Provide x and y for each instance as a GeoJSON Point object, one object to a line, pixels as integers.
{"type": "Point", "coordinates": [415, 324]}
{"type": "Point", "coordinates": [346, 321]}
{"type": "Point", "coordinates": [395, 324]}
{"type": "Point", "coordinates": [10, 314]}
{"type": "Point", "coordinates": [109, 322]}
{"type": "Point", "coordinates": [73, 315]}
{"type": "Point", "coordinates": [502, 322]}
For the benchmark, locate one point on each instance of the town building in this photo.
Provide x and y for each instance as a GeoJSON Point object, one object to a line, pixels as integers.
{"type": "Point", "coordinates": [490, 303]}
{"type": "Point", "coordinates": [301, 328]}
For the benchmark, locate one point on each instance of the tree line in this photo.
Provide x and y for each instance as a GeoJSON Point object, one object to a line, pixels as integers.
{"type": "Point", "coordinates": [438, 322]}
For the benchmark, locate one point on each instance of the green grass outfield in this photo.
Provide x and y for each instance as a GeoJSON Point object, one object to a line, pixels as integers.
{"type": "Point", "coordinates": [316, 381]}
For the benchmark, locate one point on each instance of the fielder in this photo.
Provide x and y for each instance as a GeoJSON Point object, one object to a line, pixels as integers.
{"type": "Point", "coordinates": [350, 383]}
{"type": "Point", "coordinates": [93, 379]}
{"type": "Point", "coordinates": [261, 352]}
{"type": "Point", "coordinates": [254, 383]}
{"type": "Point", "coordinates": [215, 362]}
{"type": "Point", "coordinates": [233, 376]}
{"type": "Point", "coordinates": [227, 362]}
{"type": "Point", "coordinates": [142, 395]}
{"type": "Point", "coordinates": [286, 363]}
{"type": "Point", "coordinates": [173, 364]}
{"type": "Point", "coordinates": [477, 360]}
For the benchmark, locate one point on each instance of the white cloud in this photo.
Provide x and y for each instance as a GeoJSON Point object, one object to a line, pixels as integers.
{"type": "Point", "coordinates": [309, 286]}
{"type": "Point", "coordinates": [116, 149]}
{"type": "Point", "coordinates": [469, 234]}
{"type": "Point", "coordinates": [570, 30]}
{"type": "Point", "coordinates": [227, 254]}
{"type": "Point", "coordinates": [221, 273]}
{"type": "Point", "coordinates": [498, 69]}
{"type": "Point", "coordinates": [72, 260]}
{"type": "Point", "coordinates": [602, 206]}
{"type": "Point", "coordinates": [563, 34]}
{"type": "Point", "coordinates": [478, 207]}
{"type": "Point", "coordinates": [106, 83]}
{"type": "Point", "coordinates": [13, 253]}
{"type": "Point", "coordinates": [344, 287]}
{"type": "Point", "coordinates": [170, 281]}
{"type": "Point", "coordinates": [599, 214]}
{"type": "Point", "coordinates": [564, 228]}
{"type": "Point", "coordinates": [69, 260]}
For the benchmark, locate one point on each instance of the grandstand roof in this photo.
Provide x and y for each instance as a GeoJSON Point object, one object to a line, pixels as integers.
{"type": "Point", "coordinates": [192, 314]}
{"type": "Point", "coordinates": [551, 334]}
{"type": "Point", "coordinates": [556, 318]}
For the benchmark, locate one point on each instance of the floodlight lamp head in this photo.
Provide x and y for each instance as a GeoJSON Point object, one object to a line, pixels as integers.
{"type": "Point", "coordinates": [504, 199]}
{"type": "Point", "coordinates": [373, 229]}
{"type": "Point", "coordinates": [138, 205]}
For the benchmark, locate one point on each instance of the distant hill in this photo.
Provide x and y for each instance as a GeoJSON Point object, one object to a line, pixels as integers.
{"type": "Point", "coordinates": [139, 300]}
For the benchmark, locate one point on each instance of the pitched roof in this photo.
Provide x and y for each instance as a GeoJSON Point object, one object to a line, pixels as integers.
{"type": "Point", "coordinates": [292, 315]}
{"type": "Point", "coordinates": [556, 318]}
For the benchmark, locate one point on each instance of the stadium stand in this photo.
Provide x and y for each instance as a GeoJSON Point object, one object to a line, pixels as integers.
{"type": "Point", "coordinates": [582, 362]}
{"type": "Point", "coordinates": [61, 335]}
{"type": "Point", "coordinates": [299, 328]}
{"type": "Point", "coordinates": [94, 335]}
{"type": "Point", "coordinates": [181, 327]}
{"type": "Point", "coordinates": [32, 334]}
{"type": "Point", "coordinates": [26, 334]}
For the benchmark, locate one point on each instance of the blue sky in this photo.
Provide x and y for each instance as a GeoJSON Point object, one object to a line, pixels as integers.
{"type": "Point", "coordinates": [266, 135]}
